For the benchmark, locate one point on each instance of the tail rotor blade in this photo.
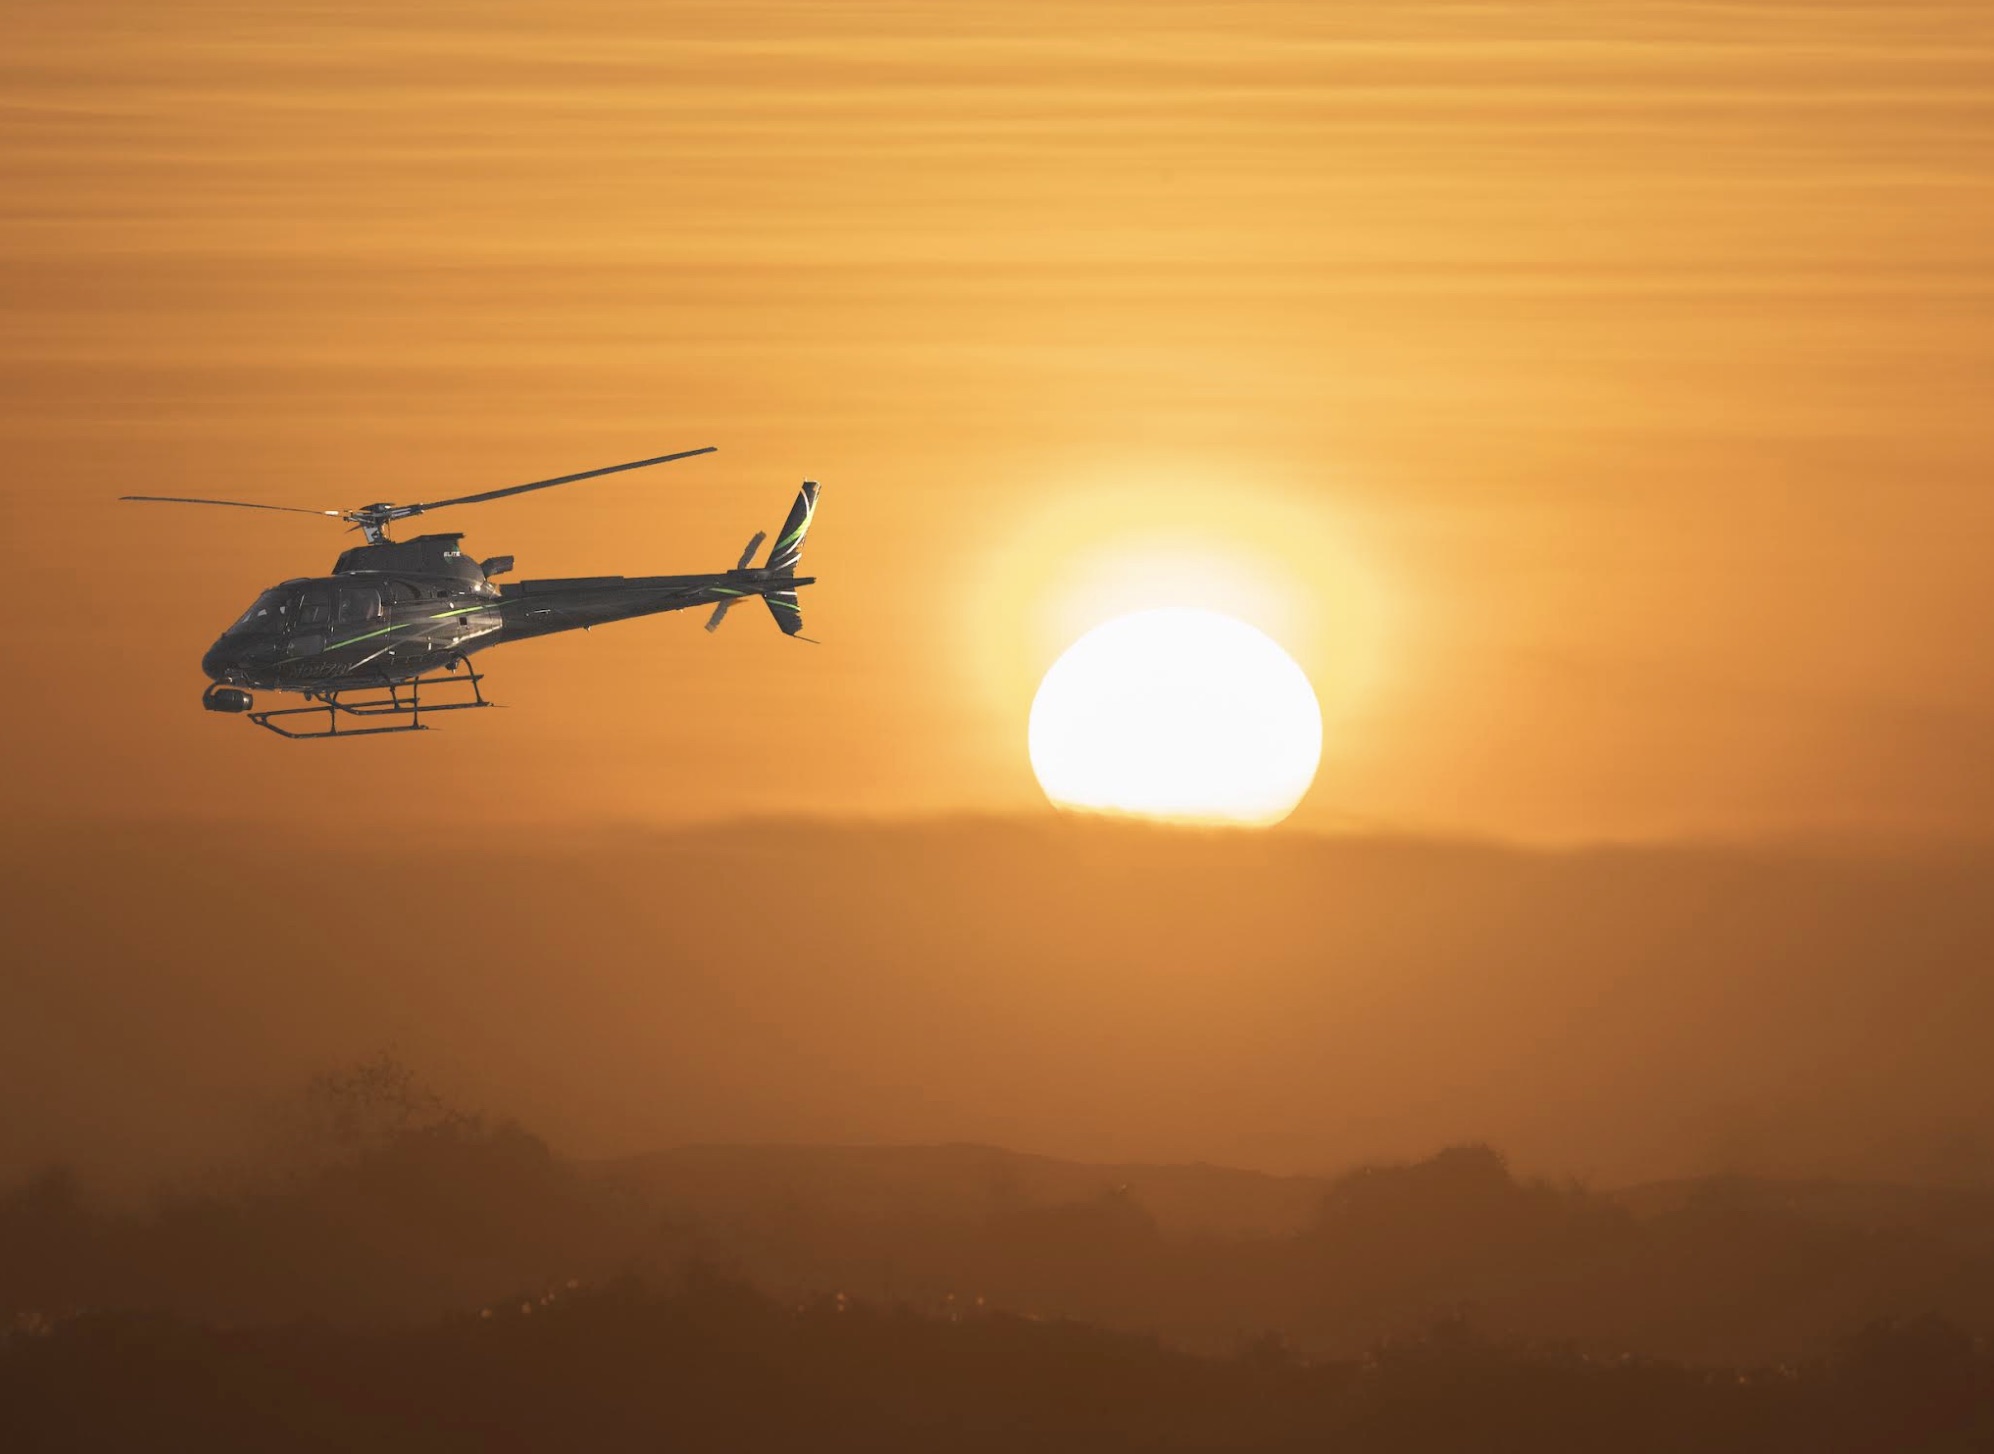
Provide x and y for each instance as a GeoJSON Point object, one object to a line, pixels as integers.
{"type": "Point", "coordinates": [753, 546]}
{"type": "Point", "coordinates": [719, 615]}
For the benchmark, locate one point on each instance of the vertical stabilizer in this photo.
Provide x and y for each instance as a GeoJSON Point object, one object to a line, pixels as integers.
{"type": "Point", "coordinates": [788, 612]}
{"type": "Point", "coordinates": [788, 548]}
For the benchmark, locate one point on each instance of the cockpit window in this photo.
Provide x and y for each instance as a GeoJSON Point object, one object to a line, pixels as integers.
{"type": "Point", "coordinates": [315, 608]}
{"type": "Point", "coordinates": [269, 616]}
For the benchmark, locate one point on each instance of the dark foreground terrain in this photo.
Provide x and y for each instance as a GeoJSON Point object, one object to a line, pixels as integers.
{"type": "Point", "coordinates": [403, 1275]}
{"type": "Point", "coordinates": [711, 1364]}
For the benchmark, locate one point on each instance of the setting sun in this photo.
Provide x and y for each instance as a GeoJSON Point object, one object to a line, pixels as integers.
{"type": "Point", "coordinates": [1177, 713]}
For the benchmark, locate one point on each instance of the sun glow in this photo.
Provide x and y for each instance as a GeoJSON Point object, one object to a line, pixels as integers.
{"type": "Point", "coordinates": [1177, 713]}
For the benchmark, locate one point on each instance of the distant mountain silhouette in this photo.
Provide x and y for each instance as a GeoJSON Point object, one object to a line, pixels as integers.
{"type": "Point", "coordinates": [884, 1183]}
{"type": "Point", "coordinates": [392, 1205]}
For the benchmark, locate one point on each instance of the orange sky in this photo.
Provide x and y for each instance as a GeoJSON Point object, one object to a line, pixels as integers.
{"type": "Point", "coordinates": [1591, 396]}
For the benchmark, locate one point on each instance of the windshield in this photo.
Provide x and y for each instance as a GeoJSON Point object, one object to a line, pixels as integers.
{"type": "Point", "coordinates": [267, 617]}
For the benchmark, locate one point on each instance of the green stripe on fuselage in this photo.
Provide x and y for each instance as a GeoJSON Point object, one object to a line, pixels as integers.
{"type": "Point", "coordinates": [399, 626]}
{"type": "Point", "coordinates": [353, 640]}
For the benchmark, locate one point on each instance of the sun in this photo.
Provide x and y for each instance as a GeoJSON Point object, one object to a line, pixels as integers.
{"type": "Point", "coordinates": [1177, 713]}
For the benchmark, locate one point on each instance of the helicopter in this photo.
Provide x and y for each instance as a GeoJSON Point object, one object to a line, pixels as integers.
{"type": "Point", "coordinates": [387, 637]}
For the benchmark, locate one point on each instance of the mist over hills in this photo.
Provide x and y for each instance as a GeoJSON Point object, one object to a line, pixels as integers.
{"type": "Point", "coordinates": [1715, 1270]}
{"type": "Point", "coordinates": [1093, 991]}
{"type": "Point", "coordinates": [1317, 1135]}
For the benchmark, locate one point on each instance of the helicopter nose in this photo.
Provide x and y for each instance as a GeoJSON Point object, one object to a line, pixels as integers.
{"type": "Point", "coordinates": [218, 663]}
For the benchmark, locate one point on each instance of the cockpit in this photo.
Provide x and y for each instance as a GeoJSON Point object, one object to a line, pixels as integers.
{"type": "Point", "coordinates": [314, 605]}
{"type": "Point", "coordinates": [270, 616]}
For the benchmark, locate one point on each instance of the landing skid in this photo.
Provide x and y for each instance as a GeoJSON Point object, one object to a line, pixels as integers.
{"type": "Point", "coordinates": [400, 701]}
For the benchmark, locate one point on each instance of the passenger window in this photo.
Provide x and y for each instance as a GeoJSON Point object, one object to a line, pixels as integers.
{"type": "Point", "coordinates": [358, 607]}
{"type": "Point", "coordinates": [400, 593]}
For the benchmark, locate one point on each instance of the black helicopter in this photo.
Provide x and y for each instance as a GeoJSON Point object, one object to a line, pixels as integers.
{"type": "Point", "coordinates": [398, 617]}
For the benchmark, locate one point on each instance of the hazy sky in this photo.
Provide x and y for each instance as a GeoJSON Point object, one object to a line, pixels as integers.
{"type": "Point", "coordinates": [1591, 396]}
{"type": "Point", "coordinates": [1291, 1002]}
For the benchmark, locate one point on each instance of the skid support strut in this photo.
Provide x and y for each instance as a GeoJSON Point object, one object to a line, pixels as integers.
{"type": "Point", "coordinates": [401, 703]}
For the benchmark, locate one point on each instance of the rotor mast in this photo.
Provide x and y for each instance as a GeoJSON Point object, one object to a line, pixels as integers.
{"type": "Point", "coordinates": [373, 520]}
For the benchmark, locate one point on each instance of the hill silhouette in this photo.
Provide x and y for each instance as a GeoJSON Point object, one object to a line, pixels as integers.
{"type": "Point", "coordinates": [391, 1205]}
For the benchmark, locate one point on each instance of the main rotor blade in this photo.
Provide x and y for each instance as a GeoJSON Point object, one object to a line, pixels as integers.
{"type": "Point", "coordinates": [232, 504]}
{"type": "Point", "coordinates": [635, 464]}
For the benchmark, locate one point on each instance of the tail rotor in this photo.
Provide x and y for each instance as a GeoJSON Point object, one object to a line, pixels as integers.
{"type": "Point", "coordinates": [776, 581]}
{"type": "Point", "coordinates": [720, 611]}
